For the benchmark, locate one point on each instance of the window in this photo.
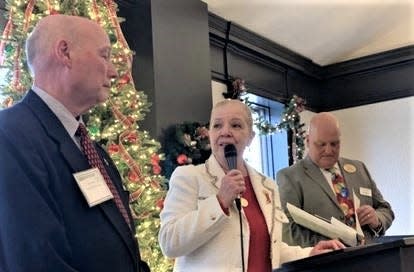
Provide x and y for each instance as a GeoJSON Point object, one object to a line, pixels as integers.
{"type": "Point", "coordinates": [267, 153]}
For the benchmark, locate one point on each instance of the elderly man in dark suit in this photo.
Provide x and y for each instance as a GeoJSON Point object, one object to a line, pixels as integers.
{"type": "Point", "coordinates": [323, 184]}
{"type": "Point", "coordinates": [53, 216]}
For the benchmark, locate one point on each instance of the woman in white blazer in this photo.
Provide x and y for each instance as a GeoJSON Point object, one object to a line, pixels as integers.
{"type": "Point", "coordinates": [200, 223]}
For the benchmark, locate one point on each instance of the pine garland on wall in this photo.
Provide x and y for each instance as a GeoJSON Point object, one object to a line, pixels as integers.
{"type": "Point", "coordinates": [290, 119]}
{"type": "Point", "coordinates": [290, 122]}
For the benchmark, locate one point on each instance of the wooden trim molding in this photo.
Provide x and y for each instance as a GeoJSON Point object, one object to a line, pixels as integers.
{"type": "Point", "coordinates": [370, 63]}
{"type": "Point", "coordinates": [375, 78]}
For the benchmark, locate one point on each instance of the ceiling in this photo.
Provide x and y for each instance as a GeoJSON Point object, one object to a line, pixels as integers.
{"type": "Point", "coordinates": [325, 31]}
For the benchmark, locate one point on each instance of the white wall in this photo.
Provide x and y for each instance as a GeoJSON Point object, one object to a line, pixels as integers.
{"type": "Point", "coordinates": [382, 136]}
{"type": "Point", "coordinates": [218, 89]}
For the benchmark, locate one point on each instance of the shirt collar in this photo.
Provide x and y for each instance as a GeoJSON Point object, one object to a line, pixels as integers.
{"type": "Point", "coordinates": [62, 113]}
{"type": "Point", "coordinates": [334, 168]}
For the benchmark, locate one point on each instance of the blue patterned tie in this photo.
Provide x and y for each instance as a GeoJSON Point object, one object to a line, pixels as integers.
{"type": "Point", "coordinates": [342, 195]}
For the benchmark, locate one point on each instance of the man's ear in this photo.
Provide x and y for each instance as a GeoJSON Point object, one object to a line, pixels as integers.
{"type": "Point", "coordinates": [62, 52]}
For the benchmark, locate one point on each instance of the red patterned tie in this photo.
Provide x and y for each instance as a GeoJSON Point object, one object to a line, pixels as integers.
{"type": "Point", "coordinates": [95, 161]}
{"type": "Point", "coordinates": [342, 195]}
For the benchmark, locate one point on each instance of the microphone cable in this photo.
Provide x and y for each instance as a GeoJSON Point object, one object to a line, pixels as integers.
{"type": "Point", "coordinates": [238, 204]}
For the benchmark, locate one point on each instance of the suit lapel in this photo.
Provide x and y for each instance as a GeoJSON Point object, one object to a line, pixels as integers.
{"type": "Point", "coordinates": [317, 177]}
{"type": "Point", "coordinates": [350, 181]}
{"type": "Point", "coordinates": [265, 195]}
{"type": "Point", "coordinates": [77, 162]}
{"type": "Point", "coordinates": [214, 170]}
{"type": "Point", "coordinates": [57, 132]}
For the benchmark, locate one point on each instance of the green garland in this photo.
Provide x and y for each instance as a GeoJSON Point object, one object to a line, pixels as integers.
{"type": "Point", "coordinates": [290, 122]}
{"type": "Point", "coordinates": [182, 144]}
{"type": "Point", "coordinates": [290, 118]}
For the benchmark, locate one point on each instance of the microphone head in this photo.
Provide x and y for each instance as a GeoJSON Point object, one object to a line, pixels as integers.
{"type": "Point", "coordinates": [230, 151]}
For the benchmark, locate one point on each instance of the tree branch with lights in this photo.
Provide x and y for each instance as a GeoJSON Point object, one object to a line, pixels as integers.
{"type": "Point", "coordinates": [113, 124]}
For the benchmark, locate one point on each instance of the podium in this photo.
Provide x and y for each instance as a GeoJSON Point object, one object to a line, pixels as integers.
{"type": "Point", "coordinates": [395, 256]}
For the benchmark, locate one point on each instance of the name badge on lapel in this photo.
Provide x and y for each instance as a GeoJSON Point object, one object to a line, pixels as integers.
{"type": "Point", "coordinates": [93, 186]}
{"type": "Point", "coordinates": [365, 191]}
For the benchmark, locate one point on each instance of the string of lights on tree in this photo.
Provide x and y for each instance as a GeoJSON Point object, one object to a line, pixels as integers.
{"type": "Point", "coordinates": [113, 124]}
{"type": "Point", "coordinates": [290, 118]}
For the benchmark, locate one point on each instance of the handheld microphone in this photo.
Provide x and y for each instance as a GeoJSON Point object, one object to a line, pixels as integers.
{"type": "Point", "coordinates": [230, 153]}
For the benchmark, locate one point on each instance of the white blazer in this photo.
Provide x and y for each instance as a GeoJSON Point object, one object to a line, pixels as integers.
{"type": "Point", "coordinates": [196, 231]}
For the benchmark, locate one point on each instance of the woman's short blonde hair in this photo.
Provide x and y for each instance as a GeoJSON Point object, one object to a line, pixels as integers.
{"type": "Point", "coordinates": [248, 113]}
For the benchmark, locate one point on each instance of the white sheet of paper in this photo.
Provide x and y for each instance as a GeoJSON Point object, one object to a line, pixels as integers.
{"type": "Point", "coordinates": [321, 226]}
{"type": "Point", "coordinates": [357, 204]}
{"type": "Point", "coordinates": [348, 234]}
{"type": "Point", "coordinates": [93, 186]}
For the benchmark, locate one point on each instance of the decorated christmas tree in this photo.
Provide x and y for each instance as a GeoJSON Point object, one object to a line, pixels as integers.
{"type": "Point", "coordinates": [113, 124]}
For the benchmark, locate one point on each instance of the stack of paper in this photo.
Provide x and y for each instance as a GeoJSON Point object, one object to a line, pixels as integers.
{"type": "Point", "coordinates": [332, 228]}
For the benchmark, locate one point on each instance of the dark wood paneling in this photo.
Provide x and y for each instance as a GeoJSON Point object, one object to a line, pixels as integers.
{"type": "Point", "coordinates": [369, 63]}
{"type": "Point", "coordinates": [241, 37]}
{"type": "Point", "coordinates": [181, 56]}
{"type": "Point", "coordinates": [137, 29]}
{"type": "Point", "coordinates": [370, 86]}
{"type": "Point", "coordinates": [305, 87]}
{"type": "Point", "coordinates": [265, 76]}
{"type": "Point", "coordinates": [278, 73]}
{"type": "Point", "coordinates": [172, 62]}
{"type": "Point", "coordinates": [268, 69]}
{"type": "Point", "coordinates": [217, 60]}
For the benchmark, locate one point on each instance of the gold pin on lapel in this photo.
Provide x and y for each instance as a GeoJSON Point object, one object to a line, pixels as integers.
{"type": "Point", "coordinates": [244, 202]}
{"type": "Point", "coordinates": [350, 168]}
{"type": "Point", "coordinates": [268, 200]}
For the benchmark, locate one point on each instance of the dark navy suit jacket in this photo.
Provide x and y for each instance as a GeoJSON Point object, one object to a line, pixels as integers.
{"type": "Point", "coordinates": [45, 222]}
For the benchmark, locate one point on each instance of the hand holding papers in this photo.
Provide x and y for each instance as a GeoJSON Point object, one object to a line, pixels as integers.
{"type": "Point", "coordinates": [357, 204]}
{"type": "Point", "coordinates": [333, 229]}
